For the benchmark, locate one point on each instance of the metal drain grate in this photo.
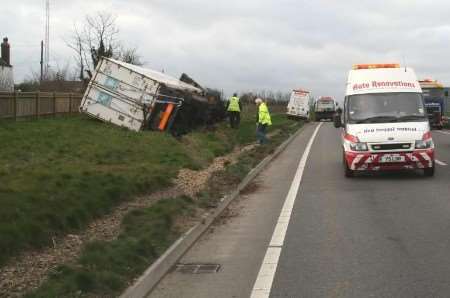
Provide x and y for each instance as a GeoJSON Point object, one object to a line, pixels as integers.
{"type": "Point", "coordinates": [197, 268]}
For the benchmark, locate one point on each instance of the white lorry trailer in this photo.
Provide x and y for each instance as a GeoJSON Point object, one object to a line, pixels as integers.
{"type": "Point", "coordinates": [298, 106]}
{"type": "Point", "coordinates": [126, 94]}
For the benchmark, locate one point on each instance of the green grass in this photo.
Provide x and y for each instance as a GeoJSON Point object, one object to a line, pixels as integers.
{"type": "Point", "coordinates": [57, 175]}
{"type": "Point", "coordinates": [104, 268]}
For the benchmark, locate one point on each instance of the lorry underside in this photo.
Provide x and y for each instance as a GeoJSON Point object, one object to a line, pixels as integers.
{"type": "Point", "coordinates": [319, 115]}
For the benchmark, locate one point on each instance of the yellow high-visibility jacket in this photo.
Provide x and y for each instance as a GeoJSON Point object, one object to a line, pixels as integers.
{"type": "Point", "coordinates": [263, 114]}
{"type": "Point", "coordinates": [233, 106]}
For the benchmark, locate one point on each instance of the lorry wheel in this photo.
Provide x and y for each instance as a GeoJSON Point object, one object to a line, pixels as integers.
{"type": "Point", "coordinates": [429, 172]}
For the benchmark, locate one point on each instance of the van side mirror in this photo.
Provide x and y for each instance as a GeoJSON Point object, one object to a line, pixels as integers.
{"type": "Point", "coordinates": [337, 120]}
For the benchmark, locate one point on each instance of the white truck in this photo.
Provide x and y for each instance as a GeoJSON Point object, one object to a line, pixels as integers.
{"type": "Point", "coordinates": [126, 94]}
{"type": "Point", "coordinates": [384, 124]}
{"type": "Point", "coordinates": [298, 106]}
{"type": "Point", "coordinates": [324, 108]}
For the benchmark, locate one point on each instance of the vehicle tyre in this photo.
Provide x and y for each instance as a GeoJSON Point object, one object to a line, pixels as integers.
{"type": "Point", "coordinates": [429, 172]}
{"type": "Point", "coordinates": [348, 172]}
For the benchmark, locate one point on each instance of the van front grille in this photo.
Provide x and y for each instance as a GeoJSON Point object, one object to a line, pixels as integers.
{"type": "Point", "coordinates": [398, 146]}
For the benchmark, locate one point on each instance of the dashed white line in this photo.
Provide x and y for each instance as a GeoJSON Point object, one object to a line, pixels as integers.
{"type": "Point", "coordinates": [441, 163]}
{"type": "Point", "coordinates": [263, 283]}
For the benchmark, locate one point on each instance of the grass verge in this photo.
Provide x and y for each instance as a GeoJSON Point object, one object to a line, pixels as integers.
{"type": "Point", "coordinates": [57, 175]}
{"type": "Point", "coordinates": [105, 268]}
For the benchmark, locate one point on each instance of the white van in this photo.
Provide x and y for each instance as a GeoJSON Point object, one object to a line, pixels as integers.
{"type": "Point", "coordinates": [298, 106]}
{"type": "Point", "coordinates": [385, 125]}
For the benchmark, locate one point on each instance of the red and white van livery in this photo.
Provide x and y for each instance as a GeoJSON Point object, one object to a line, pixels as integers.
{"type": "Point", "coordinates": [385, 125]}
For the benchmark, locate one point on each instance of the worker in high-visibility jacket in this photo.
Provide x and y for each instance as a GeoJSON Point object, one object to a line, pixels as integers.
{"type": "Point", "coordinates": [263, 121]}
{"type": "Point", "coordinates": [234, 109]}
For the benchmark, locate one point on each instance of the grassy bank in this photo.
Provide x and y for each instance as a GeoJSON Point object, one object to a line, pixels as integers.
{"type": "Point", "coordinates": [105, 268]}
{"type": "Point", "coordinates": [56, 175]}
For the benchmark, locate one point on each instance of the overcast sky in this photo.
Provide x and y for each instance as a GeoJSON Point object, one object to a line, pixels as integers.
{"type": "Point", "coordinates": [251, 44]}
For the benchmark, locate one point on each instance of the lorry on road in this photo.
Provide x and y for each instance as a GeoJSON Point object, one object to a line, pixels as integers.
{"type": "Point", "coordinates": [434, 98]}
{"type": "Point", "coordinates": [325, 108]}
{"type": "Point", "coordinates": [384, 122]}
{"type": "Point", "coordinates": [298, 106]}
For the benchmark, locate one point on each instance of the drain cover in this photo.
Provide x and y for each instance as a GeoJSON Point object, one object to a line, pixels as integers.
{"type": "Point", "coordinates": [197, 268]}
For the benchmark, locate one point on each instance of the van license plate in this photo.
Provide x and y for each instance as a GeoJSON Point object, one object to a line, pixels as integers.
{"type": "Point", "coordinates": [392, 158]}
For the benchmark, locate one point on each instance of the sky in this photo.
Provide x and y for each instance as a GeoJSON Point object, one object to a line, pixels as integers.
{"type": "Point", "coordinates": [250, 45]}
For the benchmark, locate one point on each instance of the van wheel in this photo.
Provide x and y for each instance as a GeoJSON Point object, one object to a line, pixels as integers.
{"type": "Point", "coordinates": [348, 172]}
{"type": "Point", "coordinates": [429, 172]}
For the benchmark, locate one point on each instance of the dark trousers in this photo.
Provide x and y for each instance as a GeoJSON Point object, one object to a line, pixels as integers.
{"type": "Point", "coordinates": [261, 130]}
{"type": "Point", "coordinates": [235, 119]}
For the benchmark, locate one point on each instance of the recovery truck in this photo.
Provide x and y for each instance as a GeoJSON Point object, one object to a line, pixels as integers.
{"type": "Point", "coordinates": [325, 108]}
{"type": "Point", "coordinates": [298, 106]}
{"type": "Point", "coordinates": [434, 98]}
{"type": "Point", "coordinates": [384, 124]}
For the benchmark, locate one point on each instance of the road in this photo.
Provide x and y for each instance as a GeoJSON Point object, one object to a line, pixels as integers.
{"type": "Point", "coordinates": [304, 230]}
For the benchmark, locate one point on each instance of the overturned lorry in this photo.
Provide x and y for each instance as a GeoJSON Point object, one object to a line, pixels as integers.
{"type": "Point", "coordinates": [138, 98]}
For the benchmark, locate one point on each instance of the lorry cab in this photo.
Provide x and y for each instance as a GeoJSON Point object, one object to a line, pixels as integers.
{"type": "Point", "coordinates": [298, 106]}
{"type": "Point", "coordinates": [384, 122]}
{"type": "Point", "coordinates": [434, 99]}
{"type": "Point", "coordinates": [325, 108]}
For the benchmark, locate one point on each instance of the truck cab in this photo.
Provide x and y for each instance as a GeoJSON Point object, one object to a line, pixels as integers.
{"type": "Point", "coordinates": [434, 98]}
{"type": "Point", "coordinates": [298, 106]}
{"type": "Point", "coordinates": [384, 122]}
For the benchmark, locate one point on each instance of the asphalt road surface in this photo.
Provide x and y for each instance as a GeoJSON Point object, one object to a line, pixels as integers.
{"type": "Point", "coordinates": [304, 230]}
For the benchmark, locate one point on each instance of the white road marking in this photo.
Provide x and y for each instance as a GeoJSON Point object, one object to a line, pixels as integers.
{"type": "Point", "coordinates": [441, 163]}
{"type": "Point", "coordinates": [263, 283]}
{"type": "Point", "coordinates": [443, 132]}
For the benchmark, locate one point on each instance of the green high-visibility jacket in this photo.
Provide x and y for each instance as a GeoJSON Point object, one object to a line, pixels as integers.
{"type": "Point", "coordinates": [233, 106]}
{"type": "Point", "coordinates": [263, 115]}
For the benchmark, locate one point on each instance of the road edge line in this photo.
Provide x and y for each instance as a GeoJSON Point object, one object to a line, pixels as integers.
{"type": "Point", "coordinates": [153, 275]}
{"type": "Point", "coordinates": [439, 162]}
{"type": "Point", "coordinates": [264, 280]}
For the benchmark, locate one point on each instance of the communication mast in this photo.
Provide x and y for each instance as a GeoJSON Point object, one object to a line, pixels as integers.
{"type": "Point", "coordinates": [47, 37]}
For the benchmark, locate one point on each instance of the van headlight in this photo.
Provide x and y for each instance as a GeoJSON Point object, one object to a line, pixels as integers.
{"type": "Point", "coordinates": [421, 144]}
{"type": "Point", "coordinates": [354, 143]}
{"type": "Point", "coordinates": [359, 146]}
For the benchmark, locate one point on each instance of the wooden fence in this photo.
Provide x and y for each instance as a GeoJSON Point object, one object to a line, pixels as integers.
{"type": "Point", "coordinates": [36, 104]}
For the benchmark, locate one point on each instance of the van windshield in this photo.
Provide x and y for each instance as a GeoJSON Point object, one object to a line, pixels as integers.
{"type": "Point", "coordinates": [385, 107]}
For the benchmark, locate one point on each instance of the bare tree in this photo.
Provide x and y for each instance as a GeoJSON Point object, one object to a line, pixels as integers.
{"type": "Point", "coordinates": [97, 38]}
{"type": "Point", "coordinates": [76, 43]}
{"type": "Point", "coordinates": [129, 55]}
{"type": "Point", "coordinates": [101, 32]}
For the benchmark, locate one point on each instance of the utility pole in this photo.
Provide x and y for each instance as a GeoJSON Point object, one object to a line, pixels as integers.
{"type": "Point", "coordinates": [42, 61]}
{"type": "Point", "coordinates": [47, 36]}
